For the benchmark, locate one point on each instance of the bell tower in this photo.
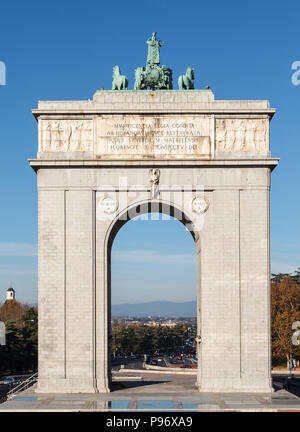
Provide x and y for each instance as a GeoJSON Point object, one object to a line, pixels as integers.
{"type": "Point", "coordinates": [10, 294]}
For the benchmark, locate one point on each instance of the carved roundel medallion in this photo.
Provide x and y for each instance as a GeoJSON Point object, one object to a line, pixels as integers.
{"type": "Point", "coordinates": [199, 204]}
{"type": "Point", "coordinates": [108, 205]}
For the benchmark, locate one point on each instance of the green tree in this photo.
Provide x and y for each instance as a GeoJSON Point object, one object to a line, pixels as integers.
{"type": "Point", "coordinates": [158, 338]}
{"type": "Point", "coordinates": [11, 359]}
{"type": "Point", "coordinates": [20, 352]}
{"type": "Point", "coordinates": [145, 340]}
{"type": "Point", "coordinates": [29, 335]}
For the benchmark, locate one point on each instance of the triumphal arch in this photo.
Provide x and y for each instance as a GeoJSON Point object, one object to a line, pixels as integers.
{"type": "Point", "coordinates": [104, 161]}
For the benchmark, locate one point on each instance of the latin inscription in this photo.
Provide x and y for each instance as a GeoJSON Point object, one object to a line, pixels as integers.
{"type": "Point", "coordinates": [150, 136]}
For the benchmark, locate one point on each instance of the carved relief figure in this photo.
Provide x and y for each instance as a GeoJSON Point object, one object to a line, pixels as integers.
{"type": "Point", "coordinates": [230, 136]}
{"type": "Point", "coordinates": [47, 136]}
{"type": "Point", "coordinates": [66, 135]}
{"type": "Point", "coordinates": [250, 136]}
{"type": "Point", "coordinates": [241, 134]}
{"type": "Point", "coordinates": [261, 136]}
{"type": "Point", "coordinates": [154, 182]}
{"type": "Point", "coordinates": [54, 136]}
{"type": "Point", "coordinates": [221, 134]}
{"type": "Point", "coordinates": [76, 136]}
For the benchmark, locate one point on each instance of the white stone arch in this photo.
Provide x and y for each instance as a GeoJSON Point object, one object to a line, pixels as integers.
{"type": "Point", "coordinates": [235, 237]}
{"type": "Point", "coordinates": [149, 206]}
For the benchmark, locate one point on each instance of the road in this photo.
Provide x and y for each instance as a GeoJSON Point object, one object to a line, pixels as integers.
{"type": "Point", "coordinates": [292, 384]}
{"type": "Point", "coordinates": [5, 388]}
{"type": "Point", "coordinates": [130, 363]}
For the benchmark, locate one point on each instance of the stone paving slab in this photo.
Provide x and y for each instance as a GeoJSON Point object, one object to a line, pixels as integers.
{"type": "Point", "coordinates": [156, 396]}
{"type": "Point", "coordinates": [94, 402]}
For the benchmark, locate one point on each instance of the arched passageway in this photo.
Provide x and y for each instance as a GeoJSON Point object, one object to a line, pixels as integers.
{"type": "Point", "coordinates": [139, 275]}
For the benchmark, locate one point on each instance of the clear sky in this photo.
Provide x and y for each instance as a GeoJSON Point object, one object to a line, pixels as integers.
{"type": "Point", "coordinates": [153, 259]}
{"type": "Point", "coordinates": [64, 50]}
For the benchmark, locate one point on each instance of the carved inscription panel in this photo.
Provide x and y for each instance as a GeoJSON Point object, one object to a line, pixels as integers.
{"type": "Point", "coordinates": [65, 135]}
{"type": "Point", "coordinates": [138, 136]}
{"type": "Point", "coordinates": [154, 136]}
{"type": "Point", "coordinates": [242, 135]}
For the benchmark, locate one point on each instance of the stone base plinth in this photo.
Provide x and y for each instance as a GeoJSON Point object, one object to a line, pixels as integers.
{"type": "Point", "coordinates": [71, 386]}
{"type": "Point", "coordinates": [258, 386]}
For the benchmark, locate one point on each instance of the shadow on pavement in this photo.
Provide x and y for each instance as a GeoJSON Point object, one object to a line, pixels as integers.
{"type": "Point", "coordinates": [291, 383]}
{"type": "Point", "coordinates": [117, 385]}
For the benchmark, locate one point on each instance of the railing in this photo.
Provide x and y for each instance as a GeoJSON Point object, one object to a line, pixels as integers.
{"type": "Point", "coordinates": [22, 386]}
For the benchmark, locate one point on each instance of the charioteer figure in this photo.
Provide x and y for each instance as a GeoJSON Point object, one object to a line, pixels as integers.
{"type": "Point", "coordinates": [153, 50]}
{"type": "Point", "coordinates": [153, 75]}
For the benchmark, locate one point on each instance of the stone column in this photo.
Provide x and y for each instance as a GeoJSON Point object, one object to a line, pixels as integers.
{"type": "Point", "coordinates": [66, 287]}
{"type": "Point", "coordinates": [51, 294]}
{"type": "Point", "coordinates": [220, 299]}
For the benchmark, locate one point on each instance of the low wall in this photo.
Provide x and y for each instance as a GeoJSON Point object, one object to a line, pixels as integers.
{"type": "Point", "coordinates": [160, 369]}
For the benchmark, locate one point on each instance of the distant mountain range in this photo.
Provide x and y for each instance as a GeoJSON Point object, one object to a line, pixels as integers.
{"type": "Point", "coordinates": [156, 308]}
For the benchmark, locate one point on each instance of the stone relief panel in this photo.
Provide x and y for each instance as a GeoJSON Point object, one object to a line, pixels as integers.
{"type": "Point", "coordinates": [242, 135]}
{"type": "Point", "coordinates": [65, 135]}
{"type": "Point", "coordinates": [154, 136]}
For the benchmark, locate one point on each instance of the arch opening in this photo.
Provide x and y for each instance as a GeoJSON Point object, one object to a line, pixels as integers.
{"type": "Point", "coordinates": [142, 211]}
{"type": "Point", "coordinates": [150, 207]}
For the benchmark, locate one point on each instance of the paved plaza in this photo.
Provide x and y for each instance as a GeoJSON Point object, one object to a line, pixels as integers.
{"type": "Point", "coordinates": [154, 392]}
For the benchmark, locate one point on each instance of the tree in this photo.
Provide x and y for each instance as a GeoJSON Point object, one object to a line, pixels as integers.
{"type": "Point", "coordinates": [278, 277]}
{"type": "Point", "coordinates": [296, 276]}
{"type": "Point", "coordinates": [20, 352]}
{"type": "Point", "coordinates": [11, 353]}
{"type": "Point", "coordinates": [158, 338]}
{"type": "Point", "coordinates": [145, 340]}
{"type": "Point", "coordinates": [285, 309]}
{"type": "Point", "coordinates": [12, 310]}
{"type": "Point", "coordinates": [29, 335]}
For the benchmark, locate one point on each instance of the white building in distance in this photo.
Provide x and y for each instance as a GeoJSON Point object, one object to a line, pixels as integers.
{"type": "Point", "coordinates": [10, 294]}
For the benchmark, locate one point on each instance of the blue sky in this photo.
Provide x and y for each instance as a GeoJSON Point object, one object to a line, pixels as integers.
{"type": "Point", "coordinates": [66, 50]}
{"type": "Point", "coordinates": [153, 259]}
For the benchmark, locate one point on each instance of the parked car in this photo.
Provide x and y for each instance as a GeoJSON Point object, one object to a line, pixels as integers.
{"type": "Point", "coordinates": [8, 381]}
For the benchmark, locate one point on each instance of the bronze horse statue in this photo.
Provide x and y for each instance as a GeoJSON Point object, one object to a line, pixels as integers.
{"type": "Point", "coordinates": [186, 82]}
{"type": "Point", "coordinates": [120, 82]}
